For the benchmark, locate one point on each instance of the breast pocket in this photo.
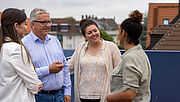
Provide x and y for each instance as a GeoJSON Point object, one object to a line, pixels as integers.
{"type": "Point", "coordinates": [116, 79]}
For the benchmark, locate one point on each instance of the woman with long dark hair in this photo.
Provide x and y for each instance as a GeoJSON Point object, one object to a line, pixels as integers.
{"type": "Point", "coordinates": [92, 63]}
{"type": "Point", "coordinates": [18, 79]}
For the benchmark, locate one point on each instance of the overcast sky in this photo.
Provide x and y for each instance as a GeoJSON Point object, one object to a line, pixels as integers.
{"type": "Point", "coordinates": [75, 8]}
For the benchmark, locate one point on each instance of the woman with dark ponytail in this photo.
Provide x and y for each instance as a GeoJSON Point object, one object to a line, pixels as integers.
{"type": "Point", "coordinates": [130, 81]}
{"type": "Point", "coordinates": [18, 79]}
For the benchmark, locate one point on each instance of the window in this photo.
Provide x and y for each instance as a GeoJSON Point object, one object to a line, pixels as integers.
{"type": "Point", "coordinates": [54, 27]}
{"type": "Point", "coordinates": [165, 21]}
{"type": "Point", "coordinates": [69, 46]}
{"type": "Point", "coordinates": [65, 27]}
{"type": "Point", "coordinates": [70, 37]}
{"type": "Point", "coordinates": [77, 27]}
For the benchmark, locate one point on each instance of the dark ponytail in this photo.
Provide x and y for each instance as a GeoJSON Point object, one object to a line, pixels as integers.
{"type": "Point", "coordinates": [133, 26]}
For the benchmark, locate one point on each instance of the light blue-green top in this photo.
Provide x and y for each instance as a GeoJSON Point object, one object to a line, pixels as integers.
{"type": "Point", "coordinates": [134, 73]}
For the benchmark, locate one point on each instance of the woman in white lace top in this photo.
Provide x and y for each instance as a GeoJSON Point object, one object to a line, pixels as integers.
{"type": "Point", "coordinates": [92, 63]}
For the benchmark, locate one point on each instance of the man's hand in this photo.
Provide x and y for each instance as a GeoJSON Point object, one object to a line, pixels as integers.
{"type": "Point", "coordinates": [56, 67]}
{"type": "Point", "coordinates": [67, 98]}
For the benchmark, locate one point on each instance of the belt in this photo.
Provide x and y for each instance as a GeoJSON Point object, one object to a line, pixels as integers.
{"type": "Point", "coordinates": [50, 92]}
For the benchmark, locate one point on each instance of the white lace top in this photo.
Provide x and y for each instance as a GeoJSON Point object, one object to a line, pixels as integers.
{"type": "Point", "coordinates": [92, 76]}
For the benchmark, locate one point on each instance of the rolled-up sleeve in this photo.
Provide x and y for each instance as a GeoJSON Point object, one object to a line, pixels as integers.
{"type": "Point", "coordinates": [131, 74]}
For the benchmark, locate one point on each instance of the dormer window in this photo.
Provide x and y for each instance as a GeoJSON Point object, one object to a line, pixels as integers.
{"type": "Point", "coordinates": [54, 27]}
{"type": "Point", "coordinates": [65, 27]}
{"type": "Point", "coordinates": [165, 21]}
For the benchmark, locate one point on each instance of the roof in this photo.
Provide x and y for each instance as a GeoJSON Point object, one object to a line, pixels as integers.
{"type": "Point", "coordinates": [69, 22]}
{"type": "Point", "coordinates": [107, 23]}
{"type": "Point", "coordinates": [74, 28]}
{"type": "Point", "coordinates": [169, 37]}
{"type": "Point", "coordinates": [161, 29]}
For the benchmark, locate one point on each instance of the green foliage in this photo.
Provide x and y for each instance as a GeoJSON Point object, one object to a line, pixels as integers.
{"type": "Point", "coordinates": [105, 36]}
{"type": "Point", "coordinates": [72, 18]}
{"type": "Point", "coordinates": [144, 32]}
{"type": "Point", "coordinates": [121, 47]}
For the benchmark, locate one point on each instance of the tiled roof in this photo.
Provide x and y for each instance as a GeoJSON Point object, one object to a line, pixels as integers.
{"type": "Point", "coordinates": [107, 23]}
{"type": "Point", "coordinates": [170, 39]}
{"type": "Point", "coordinates": [74, 28]}
{"type": "Point", "coordinates": [161, 29]}
{"type": "Point", "coordinates": [73, 25]}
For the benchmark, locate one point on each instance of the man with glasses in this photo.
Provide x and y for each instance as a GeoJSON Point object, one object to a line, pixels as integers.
{"type": "Point", "coordinates": [48, 57]}
{"type": "Point", "coordinates": [43, 22]}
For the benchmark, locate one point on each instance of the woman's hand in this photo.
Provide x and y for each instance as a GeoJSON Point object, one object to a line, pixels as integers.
{"type": "Point", "coordinates": [40, 87]}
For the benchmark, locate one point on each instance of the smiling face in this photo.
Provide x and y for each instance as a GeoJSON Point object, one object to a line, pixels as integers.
{"type": "Point", "coordinates": [39, 28]}
{"type": "Point", "coordinates": [92, 34]}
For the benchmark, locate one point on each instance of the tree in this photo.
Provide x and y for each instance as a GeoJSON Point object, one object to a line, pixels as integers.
{"type": "Point", "coordinates": [105, 36]}
{"type": "Point", "coordinates": [144, 32]}
{"type": "Point", "coordinates": [72, 18]}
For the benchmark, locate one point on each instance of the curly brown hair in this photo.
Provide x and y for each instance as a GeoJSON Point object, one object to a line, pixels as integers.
{"type": "Point", "coordinates": [133, 26]}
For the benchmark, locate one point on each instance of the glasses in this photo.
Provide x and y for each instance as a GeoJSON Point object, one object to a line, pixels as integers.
{"type": "Point", "coordinates": [44, 22]}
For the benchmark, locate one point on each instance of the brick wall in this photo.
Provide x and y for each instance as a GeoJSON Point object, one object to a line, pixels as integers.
{"type": "Point", "coordinates": [158, 12]}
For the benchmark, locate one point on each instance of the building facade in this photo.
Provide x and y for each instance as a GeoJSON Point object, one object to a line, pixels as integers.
{"type": "Point", "coordinates": [160, 13]}
{"type": "Point", "coordinates": [67, 30]}
{"type": "Point", "coordinates": [166, 34]}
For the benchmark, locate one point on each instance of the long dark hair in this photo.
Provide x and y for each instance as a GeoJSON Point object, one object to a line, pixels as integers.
{"type": "Point", "coordinates": [9, 17]}
{"type": "Point", "coordinates": [133, 26]}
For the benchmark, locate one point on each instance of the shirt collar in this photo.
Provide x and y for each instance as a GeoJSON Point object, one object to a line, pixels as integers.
{"type": "Point", "coordinates": [35, 38]}
{"type": "Point", "coordinates": [137, 47]}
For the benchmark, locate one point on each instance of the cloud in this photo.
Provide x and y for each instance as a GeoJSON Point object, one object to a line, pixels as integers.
{"type": "Point", "coordinates": [75, 8]}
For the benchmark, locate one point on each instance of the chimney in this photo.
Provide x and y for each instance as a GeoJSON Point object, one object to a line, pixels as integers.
{"type": "Point", "coordinates": [92, 16]}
